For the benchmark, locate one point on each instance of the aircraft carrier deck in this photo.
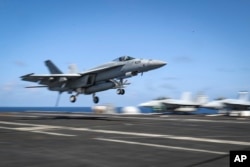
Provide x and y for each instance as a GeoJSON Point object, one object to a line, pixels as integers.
{"type": "Point", "coordinates": [75, 139]}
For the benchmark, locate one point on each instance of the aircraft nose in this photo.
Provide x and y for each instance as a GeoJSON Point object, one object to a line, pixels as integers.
{"type": "Point", "coordinates": [159, 63]}
{"type": "Point", "coordinates": [156, 63]}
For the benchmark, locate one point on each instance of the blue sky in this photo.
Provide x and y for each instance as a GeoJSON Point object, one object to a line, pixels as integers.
{"type": "Point", "coordinates": [205, 42]}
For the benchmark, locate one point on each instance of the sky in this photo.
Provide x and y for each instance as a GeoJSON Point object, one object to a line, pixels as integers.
{"type": "Point", "coordinates": [206, 44]}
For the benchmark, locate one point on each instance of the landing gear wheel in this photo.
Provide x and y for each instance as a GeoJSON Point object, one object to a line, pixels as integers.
{"type": "Point", "coordinates": [120, 91]}
{"type": "Point", "coordinates": [95, 99]}
{"type": "Point", "coordinates": [72, 98]}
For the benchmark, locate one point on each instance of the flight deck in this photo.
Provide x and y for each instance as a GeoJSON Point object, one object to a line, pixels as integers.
{"type": "Point", "coordinates": [77, 139]}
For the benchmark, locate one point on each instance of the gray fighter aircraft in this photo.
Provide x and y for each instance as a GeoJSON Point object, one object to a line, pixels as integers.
{"type": "Point", "coordinates": [107, 76]}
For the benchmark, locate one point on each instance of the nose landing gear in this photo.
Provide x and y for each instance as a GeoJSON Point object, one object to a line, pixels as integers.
{"type": "Point", "coordinates": [120, 91]}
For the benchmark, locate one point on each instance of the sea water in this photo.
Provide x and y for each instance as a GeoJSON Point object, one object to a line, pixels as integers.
{"type": "Point", "coordinates": [87, 109]}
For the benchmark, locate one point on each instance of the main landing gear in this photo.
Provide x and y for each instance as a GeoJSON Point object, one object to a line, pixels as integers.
{"type": "Point", "coordinates": [73, 98]}
{"type": "Point", "coordinates": [95, 98]}
{"type": "Point", "coordinates": [119, 90]}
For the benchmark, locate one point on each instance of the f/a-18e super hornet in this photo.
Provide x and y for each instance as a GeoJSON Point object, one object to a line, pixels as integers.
{"type": "Point", "coordinates": [107, 76]}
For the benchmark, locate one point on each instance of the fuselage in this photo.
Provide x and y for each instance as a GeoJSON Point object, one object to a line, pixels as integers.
{"type": "Point", "coordinates": [127, 69]}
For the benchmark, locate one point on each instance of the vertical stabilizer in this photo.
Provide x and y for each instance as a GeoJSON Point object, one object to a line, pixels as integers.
{"type": "Point", "coordinates": [201, 99]}
{"type": "Point", "coordinates": [186, 96]}
{"type": "Point", "coordinates": [73, 69]}
{"type": "Point", "coordinates": [52, 67]}
{"type": "Point", "coordinates": [243, 96]}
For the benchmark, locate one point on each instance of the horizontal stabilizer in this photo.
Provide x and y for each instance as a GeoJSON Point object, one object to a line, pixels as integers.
{"type": "Point", "coordinates": [36, 86]}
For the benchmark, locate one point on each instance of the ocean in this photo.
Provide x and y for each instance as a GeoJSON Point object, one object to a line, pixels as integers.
{"type": "Point", "coordinates": [143, 110]}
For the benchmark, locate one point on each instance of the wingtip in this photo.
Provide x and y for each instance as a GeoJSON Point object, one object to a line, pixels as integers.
{"type": "Point", "coordinates": [26, 75]}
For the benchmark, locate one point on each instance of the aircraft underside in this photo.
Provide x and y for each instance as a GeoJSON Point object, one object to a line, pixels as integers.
{"type": "Point", "coordinates": [111, 84]}
{"type": "Point", "coordinates": [73, 98]}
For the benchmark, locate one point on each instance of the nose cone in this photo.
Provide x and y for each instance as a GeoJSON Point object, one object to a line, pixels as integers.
{"type": "Point", "coordinates": [159, 63]}
{"type": "Point", "coordinates": [153, 64]}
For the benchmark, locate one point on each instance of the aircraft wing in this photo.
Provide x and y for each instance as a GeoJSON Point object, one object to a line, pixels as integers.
{"type": "Point", "coordinates": [43, 77]}
{"type": "Point", "coordinates": [178, 103]}
{"type": "Point", "coordinates": [101, 68]}
{"type": "Point", "coordinates": [237, 104]}
{"type": "Point", "coordinates": [176, 106]}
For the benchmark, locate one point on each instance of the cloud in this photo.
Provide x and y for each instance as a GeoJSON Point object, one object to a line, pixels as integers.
{"type": "Point", "coordinates": [20, 63]}
{"type": "Point", "coordinates": [230, 70]}
{"type": "Point", "coordinates": [170, 78]}
{"type": "Point", "coordinates": [225, 70]}
{"type": "Point", "coordinates": [245, 69]}
{"type": "Point", "coordinates": [168, 86]}
{"type": "Point", "coordinates": [182, 59]}
{"type": "Point", "coordinates": [9, 86]}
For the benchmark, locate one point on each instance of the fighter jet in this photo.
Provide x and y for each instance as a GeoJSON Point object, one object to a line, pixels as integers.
{"type": "Point", "coordinates": [224, 105]}
{"type": "Point", "coordinates": [183, 105]}
{"type": "Point", "coordinates": [110, 75]}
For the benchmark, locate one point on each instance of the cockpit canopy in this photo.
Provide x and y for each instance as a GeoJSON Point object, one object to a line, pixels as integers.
{"type": "Point", "coordinates": [123, 58]}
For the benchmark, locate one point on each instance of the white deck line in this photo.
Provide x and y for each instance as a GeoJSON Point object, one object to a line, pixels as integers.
{"type": "Point", "coordinates": [175, 137]}
{"type": "Point", "coordinates": [162, 146]}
